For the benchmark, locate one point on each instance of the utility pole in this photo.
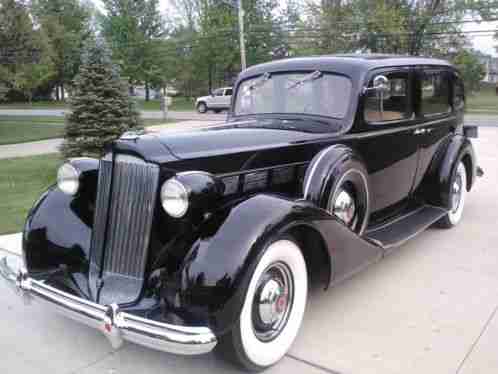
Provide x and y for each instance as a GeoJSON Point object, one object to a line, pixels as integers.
{"type": "Point", "coordinates": [241, 35]}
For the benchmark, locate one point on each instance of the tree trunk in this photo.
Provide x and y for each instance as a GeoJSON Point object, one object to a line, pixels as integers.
{"type": "Point", "coordinates": [210, 79]}
{"type": "Point", "coordinates": [147, 91]}
{"type": "Point", "coordinates": [63, 95]}
{"type": "Point", "coordinates": [131, 88]}
{"type": "Point", "coordinates": [57, 96]}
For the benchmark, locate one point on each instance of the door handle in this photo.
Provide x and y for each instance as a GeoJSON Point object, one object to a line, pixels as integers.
{"type": "Point", "coordinates": [419, 131]}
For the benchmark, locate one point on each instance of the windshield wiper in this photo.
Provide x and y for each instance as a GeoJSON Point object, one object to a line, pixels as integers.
{"type": "Point", "coordinates": [260, 82]}
{"type": "Point", "coordinates": [307, 78]}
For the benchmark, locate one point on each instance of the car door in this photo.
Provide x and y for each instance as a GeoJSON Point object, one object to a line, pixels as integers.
{"type": "Point", "coordinates": [387, 143]}
{"type": "Point", "coordinates": [436, 111]}
{"type": "Point", "coordinates": [217, 98]}
{"type": "Point", "coordinates": [227, 98]}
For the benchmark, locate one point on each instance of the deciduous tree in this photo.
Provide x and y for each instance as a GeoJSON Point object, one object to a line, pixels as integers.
{"type": "Point", "coordinates": [25, 54]}
{"type": "Point", "coordinates": [67, 25]}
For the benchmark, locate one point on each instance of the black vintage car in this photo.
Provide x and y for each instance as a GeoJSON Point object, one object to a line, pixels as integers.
{"type": "Point", "coordinates": [186, 241]}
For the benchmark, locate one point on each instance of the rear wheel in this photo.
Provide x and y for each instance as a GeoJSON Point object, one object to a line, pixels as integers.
{"type": "Point", "coordinates": [458, 194]}
{"type": "Point", "coordinates": [273, 309]}
{"type": "Point", "coordinates": [202, 107]}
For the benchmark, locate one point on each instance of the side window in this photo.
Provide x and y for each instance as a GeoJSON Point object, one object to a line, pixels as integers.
{"type": "Point", "coordinates": [458, 94]}
{"type": "Point", "coordinates": [393, 105]}
{"type": "Point", "coordinates": [228, 92]}
{"type": "Point", "coordinates": [218, 92]}
{"type": "Point", "coordinates": [435, 90]}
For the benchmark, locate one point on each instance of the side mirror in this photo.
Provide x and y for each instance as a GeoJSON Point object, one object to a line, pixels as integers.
{"type": "Point", "coordinates": [380, 85]}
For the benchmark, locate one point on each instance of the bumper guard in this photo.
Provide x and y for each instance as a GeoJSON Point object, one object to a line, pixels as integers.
{"type": "Point", "coordinates": [116, 325]}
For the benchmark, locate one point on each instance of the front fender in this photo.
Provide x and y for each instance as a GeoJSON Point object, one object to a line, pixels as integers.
{"type": "Point", "coordinates": [58, 228]}
{"type": "Point", "coordinates": [57, 233]}
{"type": "Point", "coordinates": [216, 272]}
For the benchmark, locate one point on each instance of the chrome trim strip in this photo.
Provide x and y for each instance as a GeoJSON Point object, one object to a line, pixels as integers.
{"type": "Point", "coordinates": [116, 325]}
{"type": "Point", "coordinates": [339, 137]}
{"type": "Point", "coordinates": [404, 240]}
{"type": "Point", "coordinates": [315, 165]}
{"type": "Point", "coordinates": [395, 130]}
{"type": "Point", "coordinates": [397, 219]}
{"type": "Point", "coordinates": [421, 229]}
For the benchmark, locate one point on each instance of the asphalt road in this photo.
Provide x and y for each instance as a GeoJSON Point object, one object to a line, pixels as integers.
{"type": "Point", "coordinates": [174, 115]}
{"type": "Point", "coordinates": [429, 307]}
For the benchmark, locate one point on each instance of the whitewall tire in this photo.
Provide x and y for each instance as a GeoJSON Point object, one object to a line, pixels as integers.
{"type": "Point", "coordinates": [273, 308]}
{"type": "Point", "coordinates": [458, 194]}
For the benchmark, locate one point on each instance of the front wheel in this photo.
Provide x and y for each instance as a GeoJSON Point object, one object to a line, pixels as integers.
{"type": "Point", "coordinates": [273, 309]}
{"type": "Point", "coordinates": [458, 193]}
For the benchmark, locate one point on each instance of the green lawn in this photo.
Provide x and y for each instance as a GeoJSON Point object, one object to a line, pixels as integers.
{"type": "Point", "coordinates": [27, 129]}
{"type": "Point", "coordinates": [35, 105]}
{"type": "Point", "coordinates": [21, 183]}
{"type": "Point", "coordinates": [484, 102]}
{"type": "Point", "coordinates": [179, 104]}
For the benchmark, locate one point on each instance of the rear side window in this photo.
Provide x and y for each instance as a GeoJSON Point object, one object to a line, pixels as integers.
{"type": "Point", "coordinates": [393, 105]}
{"type": "Point", "coordinates": [435, 91]}
{"type": "Point", "coordinates": [228, 92]}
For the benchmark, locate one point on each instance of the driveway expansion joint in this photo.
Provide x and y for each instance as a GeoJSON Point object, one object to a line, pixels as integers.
{"type": "Point", "coordinates": [474, 344]}
{"type": "Point", "coordinates": [316, 366]}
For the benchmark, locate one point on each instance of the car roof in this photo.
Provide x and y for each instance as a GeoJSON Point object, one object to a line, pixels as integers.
{"type": "Point", "coordinates": [348, 64]}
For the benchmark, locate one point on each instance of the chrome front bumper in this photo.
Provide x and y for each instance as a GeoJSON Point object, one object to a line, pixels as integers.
{"type": "Point", "coordinates": [116, 325]}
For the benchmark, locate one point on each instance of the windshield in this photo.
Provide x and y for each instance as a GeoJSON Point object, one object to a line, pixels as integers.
{"type": "Point", "coordinates": [314, 93]}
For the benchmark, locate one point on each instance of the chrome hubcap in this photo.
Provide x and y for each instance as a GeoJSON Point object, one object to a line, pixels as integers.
{"type": "Point", "coordinates": [456, 192]}
{"type": "Point", "coordinates": [344, 207]}
{"type": "Point", "coordinates": [272, 302]}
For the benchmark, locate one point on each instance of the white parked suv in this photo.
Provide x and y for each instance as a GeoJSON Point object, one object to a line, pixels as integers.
{"type": "Point", "coordinates": [217, 101]}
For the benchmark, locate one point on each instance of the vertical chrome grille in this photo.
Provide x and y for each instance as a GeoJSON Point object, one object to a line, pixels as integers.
{"type": "Point", "coordinates": [101, 208]}
{"type": "Point", "coordinates": [126, 221]}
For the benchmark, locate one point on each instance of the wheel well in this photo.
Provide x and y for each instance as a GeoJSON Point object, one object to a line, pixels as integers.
{"type": "Point", "coordinates": [467, 162]}
{"type": "Point", "coordinates": [315, 253]}
{"type": "Point", "coordinates": [201, 102]}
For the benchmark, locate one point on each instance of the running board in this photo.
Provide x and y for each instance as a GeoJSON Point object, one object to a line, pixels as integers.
{"type": "Point", "coordinates": [401, 229]}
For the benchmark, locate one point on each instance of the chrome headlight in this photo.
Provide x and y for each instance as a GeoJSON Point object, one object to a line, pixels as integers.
{"type": "Point", "coordinates": [68, 179]}
{"type": "Point", "coordinates": [174, 198]}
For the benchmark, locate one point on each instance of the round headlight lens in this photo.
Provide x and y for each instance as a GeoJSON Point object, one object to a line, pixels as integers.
{"type": "Point", "coordinates": [68, 179]}
{"type": "Point", "coordinates": [174, 198]}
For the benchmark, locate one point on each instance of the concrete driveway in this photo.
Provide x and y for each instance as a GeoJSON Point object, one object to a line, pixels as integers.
{"type": "Point", "coordinates": [430, 307]}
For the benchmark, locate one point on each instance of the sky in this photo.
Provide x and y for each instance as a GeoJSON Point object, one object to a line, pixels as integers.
{"type": "Point", "coordinates": [483, 42]}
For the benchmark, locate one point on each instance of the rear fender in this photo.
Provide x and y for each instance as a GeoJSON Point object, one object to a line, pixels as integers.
{"type": "Point", "coordinates": [443, 166]}
{"type": "Point", "coordinates": [216, 272]}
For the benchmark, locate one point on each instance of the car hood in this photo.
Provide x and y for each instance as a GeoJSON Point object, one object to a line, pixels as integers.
{"type": "Point", "coordinates": [229, 139]}
{"type": "Point", "coordinates": [202, 98]}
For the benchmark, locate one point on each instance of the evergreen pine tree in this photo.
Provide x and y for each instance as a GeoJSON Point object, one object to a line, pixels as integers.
{"type": "Point", "coordinates": [101, 109]}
